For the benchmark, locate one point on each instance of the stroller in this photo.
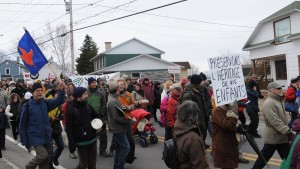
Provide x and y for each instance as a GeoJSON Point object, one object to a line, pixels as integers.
{"type": "Point", "coordinates": [142, 128]}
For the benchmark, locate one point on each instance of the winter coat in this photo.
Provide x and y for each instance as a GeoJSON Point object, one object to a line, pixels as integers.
{"type": "Point", "coordinates": [148, 93]}
{"type": "Point", "coordinates": [20, 91]}
{"type": "Point", "coordinates": [64, 109]}
{"type": "Point", "coordinates": [34, 125]}
{"type": "Point", "coordinates": [172, 105]}
{"type": "Point", "coordinates": [79, 129]}
{"type": "Point", "coordinates": [290, 95]}
{"type": "Point", "coordinates": [190, 146]}
{"type": "Point", "coordinates": [252, 106]}
{"type": "Point", "coordinates": [127, 100]}
{"type": "Point", "coordinates": [157, 96]}
{"type": "Point", "coordinates": [224, 143]}
{"type": "Point", "coordinates": [3, 121]}
{"type": "Point", "coordinates": [275, 119]}
{"type": "Point", "coordinates": [193, 92]}
{"type": "Point", "coordinates": [97, 100]}
{"type": "Point", "coordinates": [137, 97]}
{"type": "Point", "coordinates": [3, 98]}
{"type": "Point", "coordinates": [116, 121]}
{"type": "Point", "coordinates": [296, 153]}
{"type": "Point", "coordinates": [12, 111]}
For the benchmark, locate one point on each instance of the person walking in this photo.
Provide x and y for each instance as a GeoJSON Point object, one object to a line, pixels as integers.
{"type": "Point", "coordinates": [277, 132]}
{"type": "Point", "coordinates": [148, 92]}
{"type": "Point", "coordinates": [97, 100]}
{"type": "Point", "coordinates": [79, 129]}
{"type": "Point", "coordinates": [118, 125]}
{"type": "Point", "coordinates": [12, 111]}
{"type": "Point", "coordinates": [290, 96]}
{"type": "Point", "coordinates": [35, 129]}
{"type": "Point", "coordinates": [3, 126]}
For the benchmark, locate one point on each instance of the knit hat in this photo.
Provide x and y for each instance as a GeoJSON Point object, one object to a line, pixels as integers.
{"type": "Point", "coordinates": [184, 80]}
{"type": "Point", "coordinates": [91, 80]}
{"type": "Point", "coordinates": [203, 76]}
{"type": "Point", "coordinates": [27, 95]}
{"type": "Point", "coordinates": [113, 86]}
{"type": "Point", "coordinates": [78, 91]}
{"type": "Point", "coordinates": [36, 85]}
{"type": "Point", "coordinates": [195, 79]}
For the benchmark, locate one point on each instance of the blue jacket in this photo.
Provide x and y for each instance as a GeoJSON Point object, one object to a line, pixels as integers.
{"type": "Point", "coordinates": [34, 128]}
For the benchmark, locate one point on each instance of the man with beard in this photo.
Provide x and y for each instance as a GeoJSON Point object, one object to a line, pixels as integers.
{"type": "Point", "coordinates": [35, 129]}
{"type": "Point", "coordinates": [20, 90]}
{"type": "Point", "coordinates": [97, 100]}
{"type": "Point", "coordinates": [79, 117]}
{"type": "Point", "coordinates": [149, 95]}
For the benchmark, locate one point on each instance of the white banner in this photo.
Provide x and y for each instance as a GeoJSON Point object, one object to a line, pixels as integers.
{"type": "Point", "coordinates": [227, 79]}
{"type": "Point", "coordinates": [82, 80]}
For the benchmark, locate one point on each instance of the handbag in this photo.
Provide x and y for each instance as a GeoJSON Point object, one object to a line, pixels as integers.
{"type": "Point", "coordinates": [291, 106]}
{"type": "Point", "coordinates": [286, 163]}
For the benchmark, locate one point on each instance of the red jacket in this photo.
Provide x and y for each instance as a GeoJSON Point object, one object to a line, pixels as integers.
{"type": "Point", "coordinates": [290, 95]}
{"type": "Point", "coordinates": [240, 108]}
{"type": "Point", "coordinates": [171, 111]}
{"type": "Point", "coordinates": [64, 108]}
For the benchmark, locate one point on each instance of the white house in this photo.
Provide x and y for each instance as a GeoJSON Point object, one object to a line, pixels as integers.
{"type": "Point", "coordinates": [274, 45]}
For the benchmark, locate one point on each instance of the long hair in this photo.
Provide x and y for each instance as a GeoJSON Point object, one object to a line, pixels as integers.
{"type": "Point", "coordinates": [12, 96]}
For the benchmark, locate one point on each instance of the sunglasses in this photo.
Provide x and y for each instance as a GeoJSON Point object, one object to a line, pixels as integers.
{"type": "Point", "coordinates": [279, 88]}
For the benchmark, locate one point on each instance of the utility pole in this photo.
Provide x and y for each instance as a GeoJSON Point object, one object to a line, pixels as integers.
{"type": "Point", "coordinates": [69, 9]}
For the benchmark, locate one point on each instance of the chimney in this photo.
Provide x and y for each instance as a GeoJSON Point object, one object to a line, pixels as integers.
{"type": "Point", "coordinates": [107, 45]}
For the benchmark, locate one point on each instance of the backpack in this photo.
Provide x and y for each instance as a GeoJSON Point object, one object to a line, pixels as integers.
{"type": "Point", "coordinates": [170, 153]}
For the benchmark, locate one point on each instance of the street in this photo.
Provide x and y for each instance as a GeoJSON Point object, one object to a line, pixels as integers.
{"type": "Point", "coordinates": [147, 158]}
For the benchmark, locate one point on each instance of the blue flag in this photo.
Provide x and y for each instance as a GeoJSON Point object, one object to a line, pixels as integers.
{"type": "Point", "coordinates": [31, 54]}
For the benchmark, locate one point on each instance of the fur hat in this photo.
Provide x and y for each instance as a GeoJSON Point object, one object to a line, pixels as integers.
{"type": "Point", "coordinates": [195, 79]}
{"type": "Point", "coordinates": [188, 112]}
{"type": "Point", "coordinates": [91, 80]}
{"type": "Point", "coordinates": [36, 85]}
{"type": "Point", "coordinates": [78, 91]}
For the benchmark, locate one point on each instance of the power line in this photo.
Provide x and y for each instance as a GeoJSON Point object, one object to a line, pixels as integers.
{"type": "Point", "coordinates": [35, 4]}
{"type": "Point", "coordinates": [119, 18]}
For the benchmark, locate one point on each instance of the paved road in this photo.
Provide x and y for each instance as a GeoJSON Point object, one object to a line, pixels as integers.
{"type": "Point", "coordinates": [147, 158]}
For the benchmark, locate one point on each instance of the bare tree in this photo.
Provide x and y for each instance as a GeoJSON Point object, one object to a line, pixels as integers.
{"type": "Point", "coordinates": [59, 46]}
{"type": "Point", "coordinates": [194, 69]}
{"type": "Point", "coordinates": [3, 56]}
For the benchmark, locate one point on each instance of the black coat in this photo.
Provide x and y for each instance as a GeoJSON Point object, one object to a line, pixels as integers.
{"type": "Point", "coordinates": [157, 97]}
{"type": "Point", "coordinates": [252, 106]}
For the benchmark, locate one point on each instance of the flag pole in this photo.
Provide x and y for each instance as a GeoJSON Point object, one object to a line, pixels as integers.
{"type": "Point", "coordinates": [55, 74]}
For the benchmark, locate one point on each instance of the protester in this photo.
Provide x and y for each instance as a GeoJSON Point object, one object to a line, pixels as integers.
{"type": "Point", "coordinates": [190, 146]}
{"type": "Point", "coordinates": [148, 92]}
{"type": "Point", "coordinates": [35, 129]}
{"type": "Point", "coordinates": [277, 133]}
{"type": "Point", "coordinates": [118, 125]}
{"type": "Point", "coordinates": [224, 142]}
{"type": "Point", "coordinates": [172, 105]}
{"type": "Point", "coordinates": [166, 89]}
{"type": "Point", "coordinates": [130, 86]}
{"type": "Point", "coordinates": [134, 80]}
{"type": "Point", "coordinates": [29, 86]}
{"type": "Point", "coordinates": [157, 98]}
{"type": "Point", "coordinates": [183, 82]}
{"type": "Point", "coordinates": [103, 86]}
{"type": "Point", "coordinates": [193, 91]}
{"type": "Point", "coordinates": [3, 98]}
{"type": "Point", "coordinates": [97, 100]}
{"type": "Point", "coordinates": [20, 90]}
{"type": "Point", "coordinates": [12, 111]}
{"type": "Point", "coordinates": [253, 108]}
{"type": "Point", "coordinates": [138, 95]}
{"type": "Point", "coordinates": [11, 86]}
{"type": "Point", "coordinates": [290, 96]}
{"type": "Point", "coordinates": [3, 126]}
{"type": "Point", "coordinates": [79, 129]}
{"type": "Point", "coordinates": [296, 152]}
{"type": "Point", "coordinates": [172, 78]}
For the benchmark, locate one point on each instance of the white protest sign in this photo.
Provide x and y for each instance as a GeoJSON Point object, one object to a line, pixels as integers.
{"type": "Point", "coordinates": [227, 79]}
{"type": "Point", "coordinates": [174, 69]}
{"type": "Point", "coordinates": [26, 77]}
{"type": "Point", "coordinates": [82, 80]}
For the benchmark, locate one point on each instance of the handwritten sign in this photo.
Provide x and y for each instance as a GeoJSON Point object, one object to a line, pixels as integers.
{"type": "Point", "coordinates": [82, 80]}
{"type": "Point", "coordinates": [227, 79]}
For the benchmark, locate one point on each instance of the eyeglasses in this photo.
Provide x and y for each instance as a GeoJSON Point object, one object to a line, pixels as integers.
{"type": "Point", "coordinates": [279, 88]}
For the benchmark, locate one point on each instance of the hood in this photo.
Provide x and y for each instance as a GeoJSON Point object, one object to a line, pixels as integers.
{"type": "Point", "coordinates": [155, 84]}
{"type": "Point", "coordinates": [181, 128]}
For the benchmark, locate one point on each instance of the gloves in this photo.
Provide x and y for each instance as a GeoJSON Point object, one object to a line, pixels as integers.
{"type": "Point", "coordinates": [290, 135]}
{"type": "Point", "coordinates": [230, 113]}
{"type": "Point", "coordinates": [234, 106]}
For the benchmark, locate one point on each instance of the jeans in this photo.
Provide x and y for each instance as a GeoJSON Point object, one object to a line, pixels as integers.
{"type": "Point", "coordinates": [122, 149]}
{"type": "Point", "coordinates": [254, 120]}
{"type": "Point", "coordinates": [60, 146]}
{"type": "Point", "coordinates": [87, 156]}
{"type": "Point", "coordinates": [268, 151]}
{"type": "Point", "coordinates": [42, 158]}
{"type": "Point", "coordinates": [129, 134]}
{"type": "Point", "coordinates": [293, 118]}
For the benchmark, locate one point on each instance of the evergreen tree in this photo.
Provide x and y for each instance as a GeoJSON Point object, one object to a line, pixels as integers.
{"type": "Point", "coordinates": [88, 51]}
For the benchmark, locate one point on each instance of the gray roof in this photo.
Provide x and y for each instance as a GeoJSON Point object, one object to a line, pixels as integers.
{"type": "Point", "coordinates": [293, 6]}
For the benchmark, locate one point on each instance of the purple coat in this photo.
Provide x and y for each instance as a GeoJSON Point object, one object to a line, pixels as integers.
{"type": "Point", "coordinates": [296, 153]}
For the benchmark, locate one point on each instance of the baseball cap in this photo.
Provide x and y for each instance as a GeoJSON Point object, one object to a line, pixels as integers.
{"type": "Point", "coordinates": [274, 85]}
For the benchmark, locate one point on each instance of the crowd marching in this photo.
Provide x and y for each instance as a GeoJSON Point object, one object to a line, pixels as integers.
{"type": "Point", "coordinates": [38, 112]}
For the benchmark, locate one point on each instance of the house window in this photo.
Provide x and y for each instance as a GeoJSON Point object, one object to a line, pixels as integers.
{"type": "Point", "coordinates": [7, 71]}
{"type": "Point", "coordinates": [282, 30]}
{"type": "Point", "coordinates": [280, 67]}
{"type": "Point", "coordinates": [136, 75]}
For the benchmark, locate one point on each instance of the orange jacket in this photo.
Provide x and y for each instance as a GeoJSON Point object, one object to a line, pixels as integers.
{"type": "Point", "coordinates": [126, 99]}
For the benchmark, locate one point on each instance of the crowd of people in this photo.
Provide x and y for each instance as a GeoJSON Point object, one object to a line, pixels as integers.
{"type": "Point", "coordinates": [35, 112]}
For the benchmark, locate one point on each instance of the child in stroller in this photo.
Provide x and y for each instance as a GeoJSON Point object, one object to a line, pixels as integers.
{"type": "Point", "coordinates": [142, 128]}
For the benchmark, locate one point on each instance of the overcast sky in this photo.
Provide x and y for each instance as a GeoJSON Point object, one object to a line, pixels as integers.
{"type": "Point", "coordinates": [185, 39]}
